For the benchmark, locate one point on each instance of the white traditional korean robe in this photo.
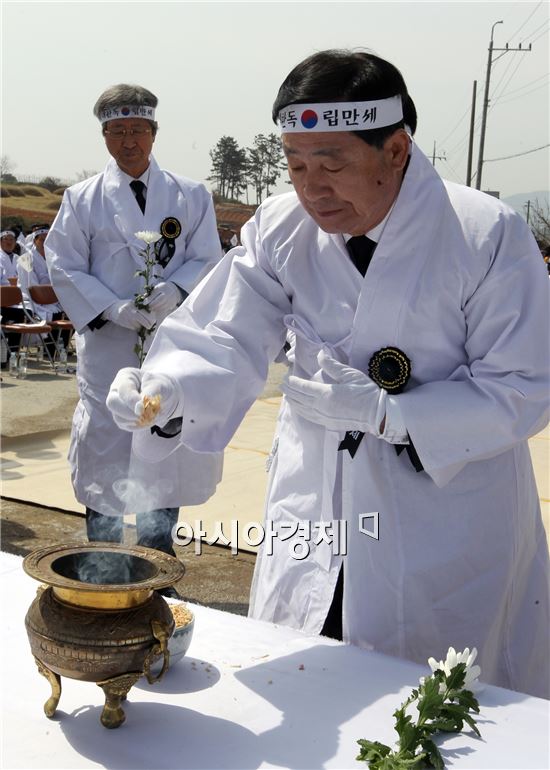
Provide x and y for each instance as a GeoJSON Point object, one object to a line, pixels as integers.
{"type": "Point", "coordinates": [457, 283]}
{"type": "Point", "coordinates": [34, 277]}
{"type": "Point", "coordinates": [8, 267]}
{"type": "Point", "coordinates": [93, 255]}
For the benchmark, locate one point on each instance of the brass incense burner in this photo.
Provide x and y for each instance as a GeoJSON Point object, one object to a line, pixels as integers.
{"type": "Point", "coordinates": [99, 617]}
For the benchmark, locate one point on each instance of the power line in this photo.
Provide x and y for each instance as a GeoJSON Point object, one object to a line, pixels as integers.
{"type": "Point", "coordinates": [517, 155]}
{"type": "Point", "coordinates": [495, 98]}
{"type": "Point", "coordinates": [490, 62]}
{"type": "Point", "coordinates": [459, 121]}
{"type": "Point", "coordinates": [456, 174]}
{"type": "Point", "coordinates": [544, 32]}
{"type": "Point", "coordinates": [526, 85]}
{"type": "Point", "coordinates": [468, 108]}
{"type": "Point", "coordinates": [526, 93]}
{"type": "Point", "coordinates": [534, 31]}
{"type": "Point", "coordinates": [535, 9]}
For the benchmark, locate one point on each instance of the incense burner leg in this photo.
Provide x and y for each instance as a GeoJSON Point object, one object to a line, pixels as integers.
{"type": "Point", "coordinates": [55, 682]}
{"type": "Point", "coordinates": [116, 690]}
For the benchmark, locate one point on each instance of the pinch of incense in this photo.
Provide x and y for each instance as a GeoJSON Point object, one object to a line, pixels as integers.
{"type": "Point", "coordinates": [151, 407]}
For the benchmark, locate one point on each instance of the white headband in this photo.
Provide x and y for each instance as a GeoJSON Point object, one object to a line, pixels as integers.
{"type": "Point", "coordinates": [127, 111]}
{"type": "Point", "coordinates": [40, 231]}
{"type": "Point", "coordinates": [7, 232]}
{"type": "Point", "coordinates": [341, 116]}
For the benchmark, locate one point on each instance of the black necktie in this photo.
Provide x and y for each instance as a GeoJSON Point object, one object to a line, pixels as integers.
{"type": "Point", "coordinates": [138, 188]}
{"type": "Point", "coordinates": [361, 250]}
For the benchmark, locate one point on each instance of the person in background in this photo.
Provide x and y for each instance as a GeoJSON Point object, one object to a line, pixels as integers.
{"type": "Point", "coordinates": [32, 270]}
{"type": "Point", "coordinates": [11, 314]}
{"type": "Point", "coordinates": [8, 258]}
{"type": "Point", "coordinates": [95, 257]}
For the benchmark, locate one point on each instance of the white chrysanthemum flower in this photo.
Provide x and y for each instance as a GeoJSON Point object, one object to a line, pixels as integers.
{"type": "Point", "coordinates": [453, 659]}
{"type": "Point", "coordinates": [148, 236]}
{"type": "Point", "coordinates": [25, 260]}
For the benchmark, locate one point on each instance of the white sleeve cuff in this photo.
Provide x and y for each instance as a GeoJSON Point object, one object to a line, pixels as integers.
{"type": "Point", "coordinates": [395, 431]}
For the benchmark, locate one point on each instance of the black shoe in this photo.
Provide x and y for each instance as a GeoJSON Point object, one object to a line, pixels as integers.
{"type": "Point", "coordinates": [170, 593]}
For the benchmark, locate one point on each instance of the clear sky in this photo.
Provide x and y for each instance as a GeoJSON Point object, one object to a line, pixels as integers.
{"type": "Point", "coordinates": [216, 68]}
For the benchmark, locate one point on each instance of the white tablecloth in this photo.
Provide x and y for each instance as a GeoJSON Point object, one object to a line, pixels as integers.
{"type": "Point", "coordinates": [247, 695]}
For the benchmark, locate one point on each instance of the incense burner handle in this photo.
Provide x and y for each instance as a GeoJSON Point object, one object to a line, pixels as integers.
{"type": "Point", "coordinates": [161, 632]}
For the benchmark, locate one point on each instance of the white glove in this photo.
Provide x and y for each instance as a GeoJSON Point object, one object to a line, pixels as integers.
{"type": "Point", "coordinates": [130, 386]}
{"type": "Point", "coordinates": [353, 402]}
{"type": "Point", "coordinates": [125, 313]}
{"type": "Point", "coordinates": [164, 298]}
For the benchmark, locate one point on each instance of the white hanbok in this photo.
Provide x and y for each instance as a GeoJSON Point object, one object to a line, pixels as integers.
{"type": "Point", "coordinates": [93, 255]}
{"type": "Point", "coordinates": [8, 267]}
{"type": "Point", "coordinates": [457, 554]}
{"type": "Point", "coordinates": [36, 275]}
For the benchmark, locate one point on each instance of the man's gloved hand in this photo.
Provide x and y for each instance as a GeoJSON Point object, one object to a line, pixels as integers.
{"type": "Point", "coordinates": [164, 298]}
{"type": "Point", "coordinates": [351, 402]}
{"type": "Point", "coordinates": [129, 391]}
{"type": "Point", "coordinates": [125, 313]}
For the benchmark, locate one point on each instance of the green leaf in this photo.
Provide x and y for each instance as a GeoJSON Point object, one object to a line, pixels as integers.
{"type": "Point", "coordinates": [431, 702]}
{"type": "Point", "coordinates": [467, 698]}
{"type": "Point", "coordinates": [433, 755]}
{"type": "Point", "coordinates": [448, 725]}
{"type": "Point", "coordinates": [372, 752]}
{"type": "Point", "coordinates": [457, 677]}
{"type": "Point", "coordinates": [472, 722]}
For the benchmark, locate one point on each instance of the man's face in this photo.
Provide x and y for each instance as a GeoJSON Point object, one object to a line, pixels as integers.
{"type": "Point", "coordinates": [7, 243]}
{"type": "Point", "coordinates": [343, 183]}
{"type": "Point", "coordinates": [131, 152]}
{"type": "Point", "coordinates": [39, 243]}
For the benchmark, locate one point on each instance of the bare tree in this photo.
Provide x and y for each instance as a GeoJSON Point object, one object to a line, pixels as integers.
{"type": "Point", "coordinates": [86, 173]}
{"type": "Point", "coordinates": [6, 169]}
{"type": "Point", "coordinates": [539, 221]}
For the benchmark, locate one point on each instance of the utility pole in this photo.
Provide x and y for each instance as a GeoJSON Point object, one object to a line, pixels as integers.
{"type": "Point", "coordinates": [528, 207]}
{"type": "Point", "coordinates": [471, 142]}
{"type": "Point", "coordinates": [437, 157]}
{"type": "Point", "coordinates": [490, 62]}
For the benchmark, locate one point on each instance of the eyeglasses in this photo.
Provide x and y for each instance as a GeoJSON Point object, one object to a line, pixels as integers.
{"type": "Point", "coordinates": [121, 133]}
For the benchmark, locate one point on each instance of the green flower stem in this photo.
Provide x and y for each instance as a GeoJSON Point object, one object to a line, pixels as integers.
{"type": "Point", "coordinates": [444, 711]}
{"type": "Point", "coordinates": [149, 255]}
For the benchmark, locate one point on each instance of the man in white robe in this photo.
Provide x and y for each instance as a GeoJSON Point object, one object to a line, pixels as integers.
{"type": "Point", "coordinates": [96, 264]}
{"type": "Point", "coordinates": [8, 258]}
{"type": "Point", "coordinates": [419, 451]}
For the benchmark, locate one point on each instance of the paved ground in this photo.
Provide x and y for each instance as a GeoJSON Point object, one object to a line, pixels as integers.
{"type": "Point", "coordinates": [43, 402]}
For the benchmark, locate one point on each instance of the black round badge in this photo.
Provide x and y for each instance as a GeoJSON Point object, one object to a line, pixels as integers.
{"type": "Point", "coordinates": [170, 228]}
{"type": "Point", "coordinates": [390, 369]}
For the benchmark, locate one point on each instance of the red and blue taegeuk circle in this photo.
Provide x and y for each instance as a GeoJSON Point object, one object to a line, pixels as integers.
{"type": "Point", "coordinates": [309, 119]}
{"type": "Point", "coordinates": [125, 110]}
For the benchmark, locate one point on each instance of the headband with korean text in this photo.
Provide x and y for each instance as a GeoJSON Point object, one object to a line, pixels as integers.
{"type": "Point", "coordinates": [341, 116]}
{"type": "Point", "coordinates": [127, 111]}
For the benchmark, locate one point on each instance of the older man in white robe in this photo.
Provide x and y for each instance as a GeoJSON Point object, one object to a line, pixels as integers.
{"type": "Point", "coordinates": [420, 369]}
{"type": "Point", "coordinates": [96, 264]}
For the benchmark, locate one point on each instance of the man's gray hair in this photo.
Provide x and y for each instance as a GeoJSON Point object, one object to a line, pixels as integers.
{"type": "Point", "coordinates": [118, 96]}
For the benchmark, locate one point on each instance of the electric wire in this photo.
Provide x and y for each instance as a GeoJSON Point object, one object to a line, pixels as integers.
{"type": "Point", "coordinates": [539, 36]}
{"type": "Point", "coordinates": [535, 9]}
{"type": "Point", "coordinates": [520, 96]}
{"type": "Point", "coordinates": [525, 85]}
{"type": "Point", "coordinates": [517, 154]}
